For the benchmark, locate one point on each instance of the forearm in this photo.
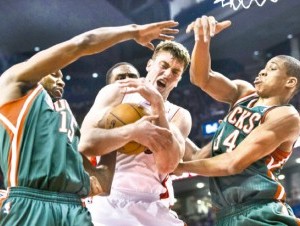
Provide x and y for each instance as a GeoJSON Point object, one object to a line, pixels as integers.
{"type": "Point", "coordinates": [97, 40]}
{"type": "Point", "coordinates": [200, 64]}
{"type": "Point", "coordinates": [108, 162]}
{"type": "Point", "coordinates": [62, 54]}
{"type": "Point", "coordinates": [99, 141]}
{"type": "Point", "coordinates": [209, 167]}
{"type": "Point", "coordinates": [167, 159]}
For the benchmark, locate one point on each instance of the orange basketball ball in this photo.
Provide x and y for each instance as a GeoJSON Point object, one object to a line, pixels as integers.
{"type": "Point", "coordinates": [124, 114]}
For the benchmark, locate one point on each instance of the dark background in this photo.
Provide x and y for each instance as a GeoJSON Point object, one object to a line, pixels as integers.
{"type": "Point", "coordinates": [256, 34]}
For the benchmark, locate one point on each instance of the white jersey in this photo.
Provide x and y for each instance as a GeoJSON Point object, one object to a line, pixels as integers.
{"type": "Point", "coordinates": [138, 173]}
{"type": "Point", "coordinates": [139, 194]}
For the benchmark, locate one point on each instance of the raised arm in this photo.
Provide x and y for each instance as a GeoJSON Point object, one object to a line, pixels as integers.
{"type": "Point", "coordinates": [18, 79]}
{"type": "Point", "coordinates": [201, 74]}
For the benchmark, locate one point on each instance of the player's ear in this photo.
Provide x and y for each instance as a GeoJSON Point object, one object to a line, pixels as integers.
{"type": "Point", "coordinates": [149, 64]}
{"type": "Point", "coordinates": [292, 82]}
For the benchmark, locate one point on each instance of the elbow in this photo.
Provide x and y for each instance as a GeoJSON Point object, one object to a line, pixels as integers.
{"type": "Point", "coordinates": [83, 43]}
{"type": "Point", "coordinates": [192, 78]}
{"type": "Point", "coordinates": [165, 169]}
{"type": "Point", "coordinates": [168, 166]}
{"type": "Point", "coordinates": [85, 148]}
{"type": "Point", "coordinates": [197, 82]}
{"type": "Point", "coordinates": [233, 169]}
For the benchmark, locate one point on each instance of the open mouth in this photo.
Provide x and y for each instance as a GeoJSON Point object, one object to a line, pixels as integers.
{"type": "Point", "coordinates": [161, 84]}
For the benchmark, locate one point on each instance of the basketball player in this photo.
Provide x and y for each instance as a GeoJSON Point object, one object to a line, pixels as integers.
{"type": "Point", "coordinates": [117, 72]}
{"type": "Point", "coordinates": [124, 70]}
{"type": "Point", "coordinates": [138, 184]}
{"type": "Point", "coordinates": [42, 168]}
{"type": "Point", "coordinates": [121, 71]}
{"type": "Point", "coordinates": [254, 140]}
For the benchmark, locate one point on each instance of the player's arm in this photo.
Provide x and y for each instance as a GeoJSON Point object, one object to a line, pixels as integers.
{"type": "Point", "coordinates": [95, 139]}
{"type": "Point", "coordinates": [24, 76]}
{"type": "Point", "coordinates": [193, 152]}
{"type": "Point", "coordinates": [262, 141]}
{"type": "Point", "coordinates": [201, 74]}
{"type": "Point", "coordinates": [101, 176]}
{"type": "Point", "coordinates": [168, 159]}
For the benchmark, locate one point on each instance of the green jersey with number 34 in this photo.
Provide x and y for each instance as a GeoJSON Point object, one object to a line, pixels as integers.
{"type": "Point", "coordinates": [259, 180]}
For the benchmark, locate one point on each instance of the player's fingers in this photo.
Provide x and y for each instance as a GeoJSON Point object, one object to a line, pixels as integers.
{"type": "Point", "coordinates": [128, 83]}
{"type": "Point", "coordinates": [197, 27]}
{"type": "Point", "coordinates": [150, 117]}
{"type": "Point", "coordinates": [101, 167]}
{"type": "Point", "coordinates": [165, 37]}
{"type": "Point", "coordinates": [205, 27]}
{"type": "Point", "coordinates": [149, 45]}
{"type": "Point", "coordinates": [168, 23]}
{"type": "Point", "coordinates": [169, 31]}
{"type": "Point", "coordinates": [212, 25]}
{"type": "Point", "coordinates": [128, 90]}
{"type": "Point", "coordinates": [95, 186]}
{"type": "Point", "coordinates": [223, 25]}
{"type": "Point", "coordinates": [190, 27]}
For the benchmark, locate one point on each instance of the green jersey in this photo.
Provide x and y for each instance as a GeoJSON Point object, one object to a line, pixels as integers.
{"type": "Point", "coordinates": [257, 182]}
{"type": "Point", "coordinates": [38, 144]}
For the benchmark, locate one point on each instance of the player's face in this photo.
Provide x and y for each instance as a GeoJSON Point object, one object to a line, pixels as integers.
{"type": "Point", "coordinates": [123, 72]}
{"type": "Point", "coordinates": [54, 84]}
{"type": "Point", "coordinates": [164, 72]}
{"type": "Point", "coordinates": [272, 79]}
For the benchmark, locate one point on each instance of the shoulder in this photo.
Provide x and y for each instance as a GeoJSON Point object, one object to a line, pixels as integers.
{"type": "Point", "coordinates": [182, 116]}
{"type": "Point", "coordinates": [288, 111]}
{"type": "Point", "coordinates": [110, 94]}
{"type": "Point", "coordinates": [285, 119]}
{"type": "Point", "coordinates": [177, 110]}
{"type": "Point", "coordinates": [244, 88]}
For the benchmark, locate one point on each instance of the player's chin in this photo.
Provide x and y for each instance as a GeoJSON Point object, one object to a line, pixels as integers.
{"type": "Point", "coordinates": [161, 89]}
{"type": "Point", "coordinates": [56, 96]}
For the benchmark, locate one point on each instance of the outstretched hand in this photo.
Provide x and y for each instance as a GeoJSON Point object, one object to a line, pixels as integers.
{"type": "Point", "coordinates": [161, 30]}
{"type": "Point", "coordinates": [207, 26]}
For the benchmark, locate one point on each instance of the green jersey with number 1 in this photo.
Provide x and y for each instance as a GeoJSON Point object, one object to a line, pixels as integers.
{"type": "Point", "coordinates": [39, 142]}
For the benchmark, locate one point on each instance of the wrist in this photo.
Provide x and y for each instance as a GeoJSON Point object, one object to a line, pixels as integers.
{"type": "Point", "coordinates": [134, 31]}
{"type": "Point", "coordinates": [158, 106]}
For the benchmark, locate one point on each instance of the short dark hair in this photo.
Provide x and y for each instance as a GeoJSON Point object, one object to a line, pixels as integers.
{"type": "Point", "coordinates": [178, 50]}
{"type": "Point", "coordinates": [292, 67]}
{"type": "Point", "coordinates": [108, 73]}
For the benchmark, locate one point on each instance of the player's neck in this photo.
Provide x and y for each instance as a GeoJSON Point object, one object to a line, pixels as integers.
{"type": "Point", "coordinates": [272, 101]}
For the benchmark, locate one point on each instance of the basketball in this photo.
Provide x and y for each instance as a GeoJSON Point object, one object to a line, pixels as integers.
{"type": "Point", "coordinates": [124, 114]}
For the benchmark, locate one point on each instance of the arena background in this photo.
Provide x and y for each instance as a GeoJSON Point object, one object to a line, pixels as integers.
{"type": "Point", "coordinates": [256, 34]}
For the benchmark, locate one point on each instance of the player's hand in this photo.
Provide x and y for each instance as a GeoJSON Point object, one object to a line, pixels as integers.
{"type": "Point", "coordinates": [3, 196]}
{"type": "Point", "coordinates": [206, 27]}
{"type": "Point", "coordinates": [155, 138]}
{"type": "Point", "coordinates": [95, 187]}
{"type": "Point", "coordinates": [98, 177]}
{"type": "Point", "coordinates": [141, 86]}
{"type": "Point", "coordinates": [161, 30]}
{"type": "Point", "coordinates": [178, 171]}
